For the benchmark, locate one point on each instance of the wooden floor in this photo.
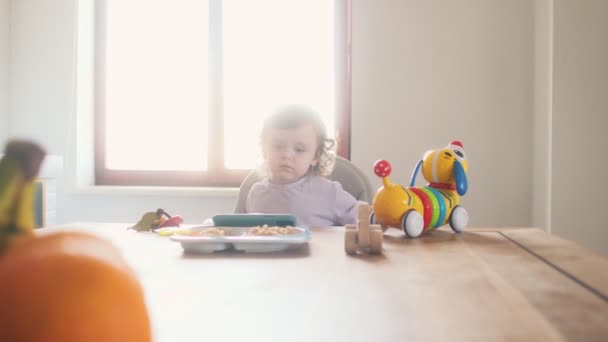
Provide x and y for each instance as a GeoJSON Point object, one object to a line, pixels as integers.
{"type": "Point", "coordinates": [480, 285]}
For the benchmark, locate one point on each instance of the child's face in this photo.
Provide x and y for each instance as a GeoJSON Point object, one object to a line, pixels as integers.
{"type": "Point", "coordinates": [289, 153]}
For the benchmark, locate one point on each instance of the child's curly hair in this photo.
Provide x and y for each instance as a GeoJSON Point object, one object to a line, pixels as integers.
{"type": "Point", "coordinates": [292, 117]}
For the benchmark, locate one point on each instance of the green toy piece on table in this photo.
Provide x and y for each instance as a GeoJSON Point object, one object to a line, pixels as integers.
{"type": "Point", "coordinates": [155, 220]}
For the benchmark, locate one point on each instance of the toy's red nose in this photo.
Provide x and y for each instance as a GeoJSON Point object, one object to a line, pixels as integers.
{"type": "Point", "coordinates": [382, 168]}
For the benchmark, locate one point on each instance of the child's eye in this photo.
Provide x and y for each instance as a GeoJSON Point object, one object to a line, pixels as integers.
{"type": "Point", "coordinates": [300, 150]}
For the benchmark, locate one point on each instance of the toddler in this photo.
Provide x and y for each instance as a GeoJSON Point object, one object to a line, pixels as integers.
{"type": "Point", "coordinates": [297, 155]}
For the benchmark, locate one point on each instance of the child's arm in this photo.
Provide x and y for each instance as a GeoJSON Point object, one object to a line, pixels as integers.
{"type": "Point", "coordinates": [252, 198]}
{"type": "Point", "coordinates": [345, 207]}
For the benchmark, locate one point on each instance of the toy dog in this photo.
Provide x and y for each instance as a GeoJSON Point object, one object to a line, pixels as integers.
{"type": "Point", "coordinates": [421, 209]}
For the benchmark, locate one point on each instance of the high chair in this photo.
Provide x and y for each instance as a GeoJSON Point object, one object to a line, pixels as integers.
{"type": "Point", "coordinates": [353, 181]}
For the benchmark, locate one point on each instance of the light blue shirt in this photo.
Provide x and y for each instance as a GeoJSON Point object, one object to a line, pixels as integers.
{"type": "Point", "coordinates": [313, 200]}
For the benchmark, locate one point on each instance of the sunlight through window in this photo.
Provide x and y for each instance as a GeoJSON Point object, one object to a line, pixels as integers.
{"type": "Point", "coordinates": [183, 86]}
{"type": "Point", "coordinates": [276, 52]}
{"type": "Point", "coordinates": [156, 85]}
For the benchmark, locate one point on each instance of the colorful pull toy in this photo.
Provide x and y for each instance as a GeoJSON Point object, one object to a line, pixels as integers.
{"type": "Point", "coordinates": [416, 210]}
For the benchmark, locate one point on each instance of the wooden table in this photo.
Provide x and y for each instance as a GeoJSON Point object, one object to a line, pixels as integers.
{"type": "Point", "coordinates": [481, 285]}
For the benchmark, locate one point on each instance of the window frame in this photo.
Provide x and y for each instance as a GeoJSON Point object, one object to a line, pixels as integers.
{"type": "Point", "coordinates": [216, 175]}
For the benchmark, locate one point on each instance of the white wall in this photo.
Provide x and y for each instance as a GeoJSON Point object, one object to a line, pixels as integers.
{"type": "Point", "coordinates": [434, 71]}
{"type": "Point", "coordinates": [580, 118]}
{"type": "Point", "coordinates": [429, 71]}
{"type": "Point", "coordinates": [40, 62]}
{"type": "Point", "coordinates": [543, 83]}
{"type": "Point", "coordinates": [4, 36]}
{"type": "Point", "coordinates": [424, 73]}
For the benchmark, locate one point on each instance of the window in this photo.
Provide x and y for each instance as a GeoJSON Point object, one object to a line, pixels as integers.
{"type": "Point", "coordinates": [182, 86]}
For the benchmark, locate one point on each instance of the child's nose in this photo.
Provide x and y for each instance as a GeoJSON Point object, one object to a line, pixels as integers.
{"type": "Point", "coordinates": [287, 154]}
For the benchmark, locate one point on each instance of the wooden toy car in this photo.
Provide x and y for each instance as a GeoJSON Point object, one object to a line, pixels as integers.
{"type": "Point", "coordinates": [363, 236]}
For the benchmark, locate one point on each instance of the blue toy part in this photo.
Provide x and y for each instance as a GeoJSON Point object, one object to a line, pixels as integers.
{"type": "Point", "coordinates": [415, 173]}
{"type": "Point", "coordinates": [461, 178]}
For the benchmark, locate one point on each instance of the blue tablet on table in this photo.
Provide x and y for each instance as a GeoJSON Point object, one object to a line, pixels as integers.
{"type": "Point", "coordinates": [251, 220]}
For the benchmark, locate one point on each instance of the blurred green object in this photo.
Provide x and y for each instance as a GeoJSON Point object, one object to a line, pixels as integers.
{"type": "Point", "coordinates": [39, 204]}
{"type": "Point", "coordinates": [18, 191]}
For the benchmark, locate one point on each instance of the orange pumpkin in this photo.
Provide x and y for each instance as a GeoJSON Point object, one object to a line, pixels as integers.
{"type": "Point", "coordinates": [69, 286]}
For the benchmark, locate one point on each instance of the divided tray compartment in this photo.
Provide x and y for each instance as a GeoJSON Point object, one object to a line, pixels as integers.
{"type": "Point", "coordinates": [238, 239]}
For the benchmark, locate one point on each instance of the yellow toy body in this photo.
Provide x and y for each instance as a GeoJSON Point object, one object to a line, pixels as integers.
{"type": "Point", "coordinates": [420, 209]}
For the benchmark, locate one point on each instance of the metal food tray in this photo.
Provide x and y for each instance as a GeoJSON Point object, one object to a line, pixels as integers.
{"type": "Point", "coordinates": [237, 238]}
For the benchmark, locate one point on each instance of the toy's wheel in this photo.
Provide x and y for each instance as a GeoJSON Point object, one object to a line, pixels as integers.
{"type": "Point", "coordinates": [350, 241]}
{"type": "Point", "coordinates": [412, 223]}
{"type": "Point", "coordinates": [376, 245]}
{"type": "Point", "coordinates": [459, 219]}
{"type": "Point", "coordinates": [372, 220]}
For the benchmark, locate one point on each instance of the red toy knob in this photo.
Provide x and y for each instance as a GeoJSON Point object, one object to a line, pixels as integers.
{"type": "Point", "coordinates": [382, 168]}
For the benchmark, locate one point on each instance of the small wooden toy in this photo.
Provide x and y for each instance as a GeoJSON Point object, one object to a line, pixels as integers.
{"type": "Point", "coordinates": [421, 209]}
{"type": "Point", "coordinates": [363, 236]}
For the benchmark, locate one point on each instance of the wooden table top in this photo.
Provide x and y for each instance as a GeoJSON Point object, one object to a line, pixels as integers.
{"type": "Point", "coordinates": [481, 285]}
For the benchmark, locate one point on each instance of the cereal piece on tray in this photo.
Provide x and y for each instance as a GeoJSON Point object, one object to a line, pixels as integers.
{"type": "Point", "coordinates": [265, 230]}
{"type": "Point", "coordinates": [211, 232]}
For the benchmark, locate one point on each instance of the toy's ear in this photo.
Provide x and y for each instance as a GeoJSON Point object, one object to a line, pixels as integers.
{"type": "Point", "coordinates": [416, 169]}
{"type": "Point", "coordinates": [461, 178]}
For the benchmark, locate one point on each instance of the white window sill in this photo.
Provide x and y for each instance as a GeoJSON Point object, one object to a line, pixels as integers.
{"type": "Point", "coordinates": [154, 191]}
